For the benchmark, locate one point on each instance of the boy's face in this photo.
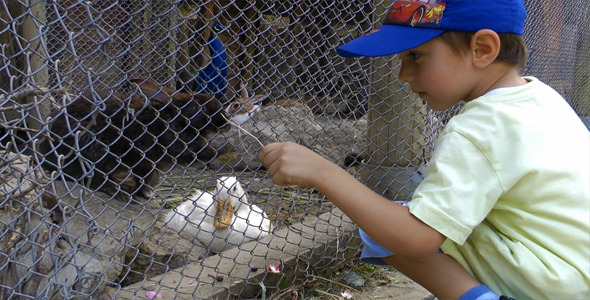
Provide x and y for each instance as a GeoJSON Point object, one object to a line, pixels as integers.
{"type": "Point", "coordinates": [440, 76]}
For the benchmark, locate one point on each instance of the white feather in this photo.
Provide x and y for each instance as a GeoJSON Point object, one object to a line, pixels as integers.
{"type": "Point", "coordinates": [196, 217]}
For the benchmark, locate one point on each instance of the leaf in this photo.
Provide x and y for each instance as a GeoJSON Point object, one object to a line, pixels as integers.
{"type": "Point", "coordinates": [284, 283]}
{"type": "Point", "coordinates": [263, 287]}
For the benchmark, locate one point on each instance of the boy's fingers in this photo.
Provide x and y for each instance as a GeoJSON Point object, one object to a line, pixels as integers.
{"type": "Point", "coordinates": [268, 158]}
{"type": "Point", "coordinates": [266, 150]}
{"type": "Point", "coordinates": [273, 171]}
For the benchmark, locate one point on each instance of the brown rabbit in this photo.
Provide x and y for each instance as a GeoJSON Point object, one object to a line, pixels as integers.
{"type": "Point", "coordinates": [243, 108]}
{"type": "Point", "coordinates": [121, 143]}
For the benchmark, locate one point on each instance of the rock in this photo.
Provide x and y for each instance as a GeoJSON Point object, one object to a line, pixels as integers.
{"type": "Point", "coordinates": [101, 230]}
{"type": "Point", "coordinates": [161, 249]}
{"type": "Point", "coordinates": [353, 279]}
{"type": "Point", "coordinates": [332, 138]}
{"type": "Point", "coordinates": [59, 238]}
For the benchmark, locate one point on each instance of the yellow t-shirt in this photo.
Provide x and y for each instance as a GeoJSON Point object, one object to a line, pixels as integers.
{"type": "Point", "coordinates": [509, 186]}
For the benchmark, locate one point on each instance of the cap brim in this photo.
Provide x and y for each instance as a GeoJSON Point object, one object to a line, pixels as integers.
{"type": "Point", "coordinates": [388, 40]}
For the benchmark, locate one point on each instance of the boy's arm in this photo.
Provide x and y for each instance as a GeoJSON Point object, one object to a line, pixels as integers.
{"type": "Point", "coordinates": [389, 224]}
{"type": "Point", "coordinates": [438, 273]}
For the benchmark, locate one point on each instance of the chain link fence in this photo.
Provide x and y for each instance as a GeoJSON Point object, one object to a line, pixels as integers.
{"type": "Point", "coordinates": [112, 167]}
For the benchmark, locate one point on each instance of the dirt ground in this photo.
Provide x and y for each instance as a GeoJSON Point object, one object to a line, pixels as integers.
{"type": "Point", "coordinates": [386, 283]}
{"type": "Point", "coordinates": [399, 287]}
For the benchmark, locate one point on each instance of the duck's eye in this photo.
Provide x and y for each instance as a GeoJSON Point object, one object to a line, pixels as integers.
{"type": "Point", "coordinates": [234, 189]}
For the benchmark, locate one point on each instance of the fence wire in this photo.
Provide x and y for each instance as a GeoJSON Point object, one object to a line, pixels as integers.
{"type": "Point", "coordinates": [116, 177]}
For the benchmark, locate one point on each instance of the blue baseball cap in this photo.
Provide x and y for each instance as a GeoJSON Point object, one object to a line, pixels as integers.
{"type": "Point", "coordinates": [409, 24]}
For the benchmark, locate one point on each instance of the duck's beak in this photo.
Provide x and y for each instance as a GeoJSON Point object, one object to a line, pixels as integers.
{"type": "Point", "coordinates": [223, 214]}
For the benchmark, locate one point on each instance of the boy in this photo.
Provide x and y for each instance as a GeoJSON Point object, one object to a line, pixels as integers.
{"type": "Point", "coordinates": [504, 207]}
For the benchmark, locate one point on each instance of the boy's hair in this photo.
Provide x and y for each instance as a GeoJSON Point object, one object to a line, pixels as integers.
{"type": "Point", "coordinates": [512, 46]}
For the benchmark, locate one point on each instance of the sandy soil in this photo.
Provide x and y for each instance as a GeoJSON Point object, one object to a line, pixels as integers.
{"type": "Point", "coordinates": [399, 287]}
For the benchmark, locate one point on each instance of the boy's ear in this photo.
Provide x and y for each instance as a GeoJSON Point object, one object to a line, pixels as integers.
{"type": "Point", "coordinates": [485, 46]}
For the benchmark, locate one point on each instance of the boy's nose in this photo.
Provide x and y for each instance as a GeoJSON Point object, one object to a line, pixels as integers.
{"type": "Point", "coordinates": [404, 74]}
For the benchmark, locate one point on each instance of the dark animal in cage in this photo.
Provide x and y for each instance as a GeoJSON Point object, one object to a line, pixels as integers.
{"type": "Point", "coordinates": [120, 144]}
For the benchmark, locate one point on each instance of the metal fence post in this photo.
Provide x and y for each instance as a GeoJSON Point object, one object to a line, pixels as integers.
{"type": "Point", "coordinates": [581, 91]}
{"type": "Point", "coordinates": [35, 63]}
{"type": "Point", "coordinates": [395, 130]}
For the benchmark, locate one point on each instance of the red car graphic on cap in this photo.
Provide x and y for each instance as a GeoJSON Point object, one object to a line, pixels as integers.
{"type": "Point", "coordinates": [415, 12]}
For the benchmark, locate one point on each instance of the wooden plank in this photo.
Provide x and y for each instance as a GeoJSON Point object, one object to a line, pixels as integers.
{"type": "Point", "coordinates": [317, 241]}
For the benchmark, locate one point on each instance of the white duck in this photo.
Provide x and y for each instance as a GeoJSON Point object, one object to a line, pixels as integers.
{"type": "Point", "coordinates": [222, 219]}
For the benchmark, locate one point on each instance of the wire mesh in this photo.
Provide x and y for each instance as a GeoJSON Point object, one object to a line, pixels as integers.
{"type": "Point", "coordinates": [109, 174]}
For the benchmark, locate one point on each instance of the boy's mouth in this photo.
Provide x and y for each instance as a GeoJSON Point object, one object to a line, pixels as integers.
{"type": "Point", "coordinates": [420, 94]}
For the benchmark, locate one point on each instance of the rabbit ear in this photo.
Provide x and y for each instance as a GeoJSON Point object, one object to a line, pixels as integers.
{"type": "Point", "coordinates": [244, 91]}
{"type": "Point", "coordinates": [248, 96]}
{"type": "Point", "coordinates": [258, 99]}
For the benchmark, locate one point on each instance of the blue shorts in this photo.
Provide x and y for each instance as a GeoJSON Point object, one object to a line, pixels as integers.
{"type": "Point", "coordinates": [372, 252]}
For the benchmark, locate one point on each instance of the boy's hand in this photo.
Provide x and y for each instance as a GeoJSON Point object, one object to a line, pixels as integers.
{"type": "Point", "coordinates": [291, 164]}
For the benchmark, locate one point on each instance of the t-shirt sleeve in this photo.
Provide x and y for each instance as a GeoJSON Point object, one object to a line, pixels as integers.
{"type": "Point", "coordinates": [459, 190]}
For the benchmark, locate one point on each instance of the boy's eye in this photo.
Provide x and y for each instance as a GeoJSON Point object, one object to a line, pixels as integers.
{"type": "Point", "coordinates": [414, 55]}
